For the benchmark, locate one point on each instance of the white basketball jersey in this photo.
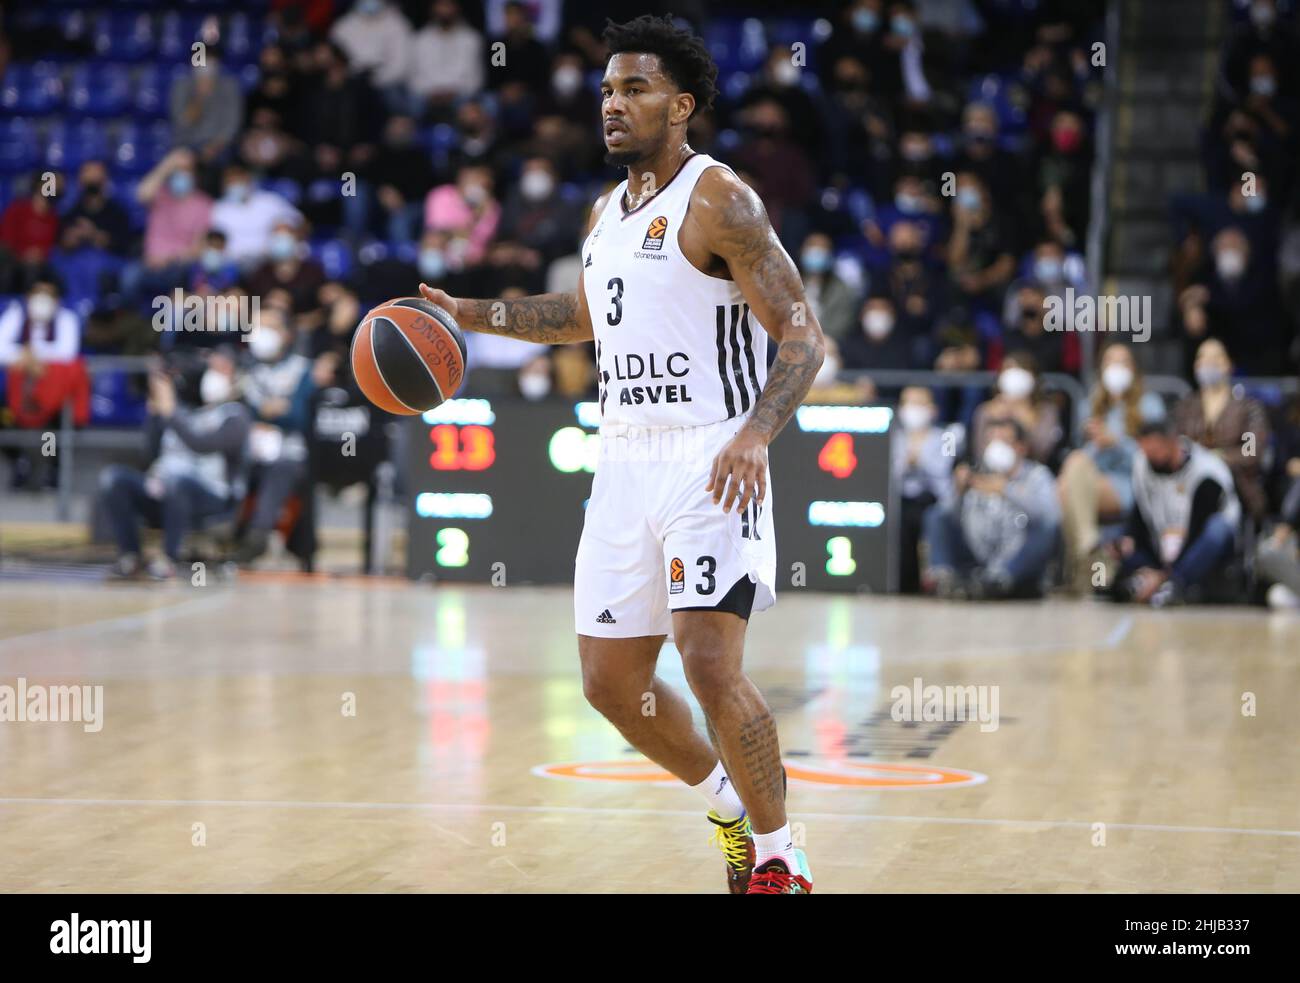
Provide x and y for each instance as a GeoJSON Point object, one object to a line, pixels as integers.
{"type": "Point", "coordinates": [674, 346]}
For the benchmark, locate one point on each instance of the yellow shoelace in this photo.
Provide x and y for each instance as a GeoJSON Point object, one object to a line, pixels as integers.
{"type": "Point", "coordinates": [733, 841]}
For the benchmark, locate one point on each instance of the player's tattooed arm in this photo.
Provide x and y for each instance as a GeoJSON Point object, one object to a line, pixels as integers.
{"type": "Point", "coordinates": [549, 319]}
{"type": "Point", "coordinates": [737, 229]}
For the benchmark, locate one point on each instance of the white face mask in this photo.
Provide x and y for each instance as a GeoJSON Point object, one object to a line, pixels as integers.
{"type": "Point", "coordinates": [536, 185]}
{"type": "Point", "coordinates": [828, 372]}
{"type": "Point", "coordinates": [785, 73]}
{"type": "Point", "coordinates": [534, 385]}
{"type": "Point", "coordinates": [567, 80]}
{"type": "Point", "coordinates": [1230, 263]}
{"type": "Point", "coordinates": [214, 387]}
{"type": "Point", "coordinates": [878, 324]}
{"type": "Point", "coordinates": [41, 307]}
{"type": "Point", "coordinates": [999, 456]}
{"type": "Point", "coordinates": [1116, 378]}
{"type": "Point", "coordinates": [914, 416]}
{"type": "Point", "coordinates": [1015, 383]}
{"type": "Point", "coordinates": [265, 343]}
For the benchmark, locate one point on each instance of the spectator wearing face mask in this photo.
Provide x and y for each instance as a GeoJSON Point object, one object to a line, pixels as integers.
{"type": "Point", "coordinates": [196, 473]}
{"type": "Point", "coordinates": [1064, 180]}
{"type": "Point", "coordinates": [980, 260]}
{"type": "Point", "coordinates": [213, 272]}
{"type": "Point", "coordinates": [1019, 397]}
{"type": "Point", "coordinates": [289, 267]}
{"type": "Point", "coordinates": [1053, 351]}
{"type": "Point", "coordinates": [248, 216]}
{"type": "Point", "coordinates": [1051, 271]}
{"type": "Point", "coordinates": [922, 470]}
{"type": "Point", "coordinates": [1183, 525]}
{"type": "Point", "coordinates": [993, 536]}
{"type": "Point", "coordinates": [912, 204]}
{"type": "Point", "coordinates": [880, 344]}
{"type": "Point", "coordinates": [377, 38]}
{"type": "Point", "coordinates": [278, 387]}
{"type": "Point", "coordinates": [180, 216]}
{"type": "Point", "coordinates": [780, 168]}
{"type": "Point", "coordinates": [1256, 133]}
{"type": "Point", "coordinates": [779, 82]}
{"type": "Point", "coordinates": [832, 387]}
{"type": "Point", "coordinates": [1237, 302]}
{"type": "Point", "coordinates": [833, 302]}
{"type": "Point", "coordinates": [1263, 33]}
{"type": "Point", "coordinates": [1002, 172]}
{"type": "Point", "coordinates": [40, 342]}
{"type": "Point", "coordinates": [95, 220]}
{"type": "Point", "coordinates": [920, 294]}
{"type": "Point", "coordinates": [537, 225]}
{"type": "Point", "coordinates": [1232, 426]}
{"type": "Point", "coordinates": [1096, 481]}
{"type": "Point", "coordinates": [447, 60]}
{"type": "Point", "coordinates": [467, 210]}
{"type": "Point", "coordinates": [400, 175]}
{"type": "Point", "coordinates": [207, 109]}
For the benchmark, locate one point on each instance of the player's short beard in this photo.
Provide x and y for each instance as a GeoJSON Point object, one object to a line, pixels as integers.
{"type": "Point", "coordinates": [626, 157]}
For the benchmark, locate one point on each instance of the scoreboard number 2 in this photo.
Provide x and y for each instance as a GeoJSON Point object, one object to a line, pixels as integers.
{"type": "Point", "coordinates": [453, 547]}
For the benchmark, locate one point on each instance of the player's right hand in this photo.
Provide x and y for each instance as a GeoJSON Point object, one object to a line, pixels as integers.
{"type": "Point", "coordinates": [440, 297]}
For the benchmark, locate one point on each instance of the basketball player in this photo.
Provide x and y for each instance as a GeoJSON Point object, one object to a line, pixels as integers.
{"type": "Point", "coordinates": [682, 281]}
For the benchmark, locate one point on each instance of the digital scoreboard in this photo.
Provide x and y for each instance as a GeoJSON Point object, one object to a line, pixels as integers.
{"type": "Point", "coordinates": [496, 491]}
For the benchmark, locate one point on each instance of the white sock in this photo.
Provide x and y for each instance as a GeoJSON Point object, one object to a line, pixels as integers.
{"type": "Point", "coordinates": [721, 794]}
{"type": "Point", "coordinates": [778, 843]}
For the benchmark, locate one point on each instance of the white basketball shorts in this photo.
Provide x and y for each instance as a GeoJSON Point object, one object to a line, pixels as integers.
{"type": "Point", "coordinates": [653, 541]}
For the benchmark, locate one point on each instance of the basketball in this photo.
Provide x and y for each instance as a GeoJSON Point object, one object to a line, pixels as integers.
{"type": "Point", "coordinates": [408, 355]}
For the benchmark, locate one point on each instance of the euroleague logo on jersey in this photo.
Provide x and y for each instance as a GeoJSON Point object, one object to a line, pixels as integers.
{"type": "Point", "coordinates": [654, 235]}
{"type": "Point", "coordinates": [676, 576]}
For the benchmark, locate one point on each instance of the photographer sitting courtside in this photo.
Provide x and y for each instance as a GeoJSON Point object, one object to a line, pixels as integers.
{"type": "Point", "coordinates": [1183, 525]}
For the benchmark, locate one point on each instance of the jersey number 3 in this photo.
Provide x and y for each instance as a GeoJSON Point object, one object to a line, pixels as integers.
{"type": "Point", "coordinates": [616, 285]}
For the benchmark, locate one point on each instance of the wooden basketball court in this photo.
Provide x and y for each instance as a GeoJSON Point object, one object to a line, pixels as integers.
{"type": "Point", "coordinates": [227, 760]}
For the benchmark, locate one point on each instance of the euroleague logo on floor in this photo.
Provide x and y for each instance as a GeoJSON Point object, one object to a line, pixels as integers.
{"type": "Point", "coordinates": [826, 773]}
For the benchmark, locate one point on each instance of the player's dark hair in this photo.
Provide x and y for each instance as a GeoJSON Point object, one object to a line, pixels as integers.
{"type": "Point", "coordinates": [683, 55]}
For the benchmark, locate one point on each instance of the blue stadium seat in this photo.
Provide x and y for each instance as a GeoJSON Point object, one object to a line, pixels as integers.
{"type": "Point", "coordinates": [176, 33]}
{"type": "Point", "coordinates": [18, 150]}
{"type": "Point", "coordinates": [248, 76]}
{"type": "Point", "coordinates": [237, 41]}
{"type": "Point", "coordinates": [114, 402]}
{"type": "Point", "coordinates": [127, 159]}
{"type": "Point", "coordinates": [68, 147]}
{"type": "Point", "coordinates": [736, 45]}
{"type": "Point", "coordinates": [406, 252]}
{"type": "Point", "coordinates": [335, 256]}
{"type": "Point", "coordinates": [34, 89]}
{"type": "Point", "coordinates": [124, 35]}
{"type": "Point", "coordinates": [99, 90]}
{"type": "Point", "coordinates": [152, 84]}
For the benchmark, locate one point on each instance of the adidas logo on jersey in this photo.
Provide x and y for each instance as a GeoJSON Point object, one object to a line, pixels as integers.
{"type": "Point", "coordinates": [587, 264]}
{"type": "Point", "coordinates": [605, 618]}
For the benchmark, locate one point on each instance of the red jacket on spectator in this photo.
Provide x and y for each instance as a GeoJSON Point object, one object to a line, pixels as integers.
{"type": "Point", "coordinates": [26, 226]}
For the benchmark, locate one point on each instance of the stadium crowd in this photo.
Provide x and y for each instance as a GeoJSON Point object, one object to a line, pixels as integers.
{"type": "Point", "coordinates": [928, 164]}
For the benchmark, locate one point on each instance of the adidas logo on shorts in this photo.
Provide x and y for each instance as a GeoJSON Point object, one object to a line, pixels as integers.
{"type": "Point", "coordinates": [605, 618]}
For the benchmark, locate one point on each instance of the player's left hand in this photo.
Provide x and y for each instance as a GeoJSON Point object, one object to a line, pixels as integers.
{"type": "Point", "coordinates": [744, 461]}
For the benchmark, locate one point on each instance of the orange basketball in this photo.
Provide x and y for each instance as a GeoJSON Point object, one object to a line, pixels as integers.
{"type": "Point", "coordinates": [408, 355]}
